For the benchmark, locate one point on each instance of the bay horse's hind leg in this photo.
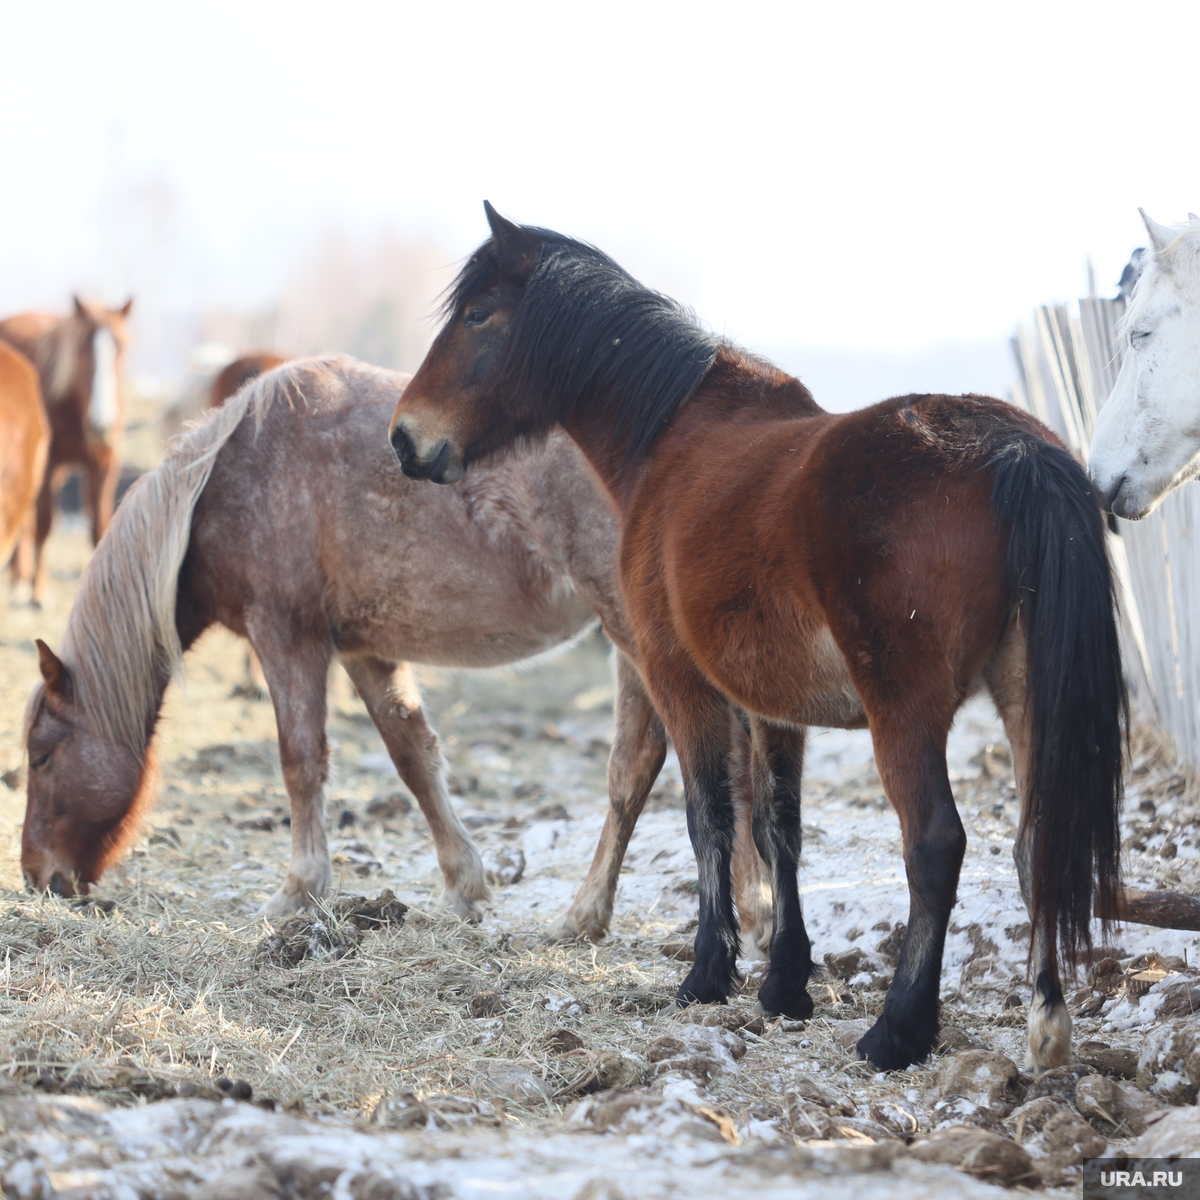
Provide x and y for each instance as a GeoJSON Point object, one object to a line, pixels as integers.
{"type": "Point", "coordinates": [911, 757]}
{"type": "Point", "coordinates": [389, 690]}
{"type": "Point", "coordinates": [778, 762]}
{"type": "Point", "coordinates": [1049, 1027]}
{"type": "Point", "coordinates": [297, 668]}
{"type": "Point", "coordinates": [639, 747]}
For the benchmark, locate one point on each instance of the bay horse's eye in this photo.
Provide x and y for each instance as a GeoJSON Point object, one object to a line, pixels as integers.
{"type": "Point", "coordinates": [477, 316]}
{"type": "Point", "coordinates": [39, 761]}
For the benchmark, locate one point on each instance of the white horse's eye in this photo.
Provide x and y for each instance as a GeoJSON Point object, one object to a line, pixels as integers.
{"type": "Point", "coordinates": [1139, 336]}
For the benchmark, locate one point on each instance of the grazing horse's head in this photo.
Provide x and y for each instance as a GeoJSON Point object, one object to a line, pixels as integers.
{"type": "Point", "coordinates": [442, 420]}
{"type": "Point", "coordinates": [84, 791]}
{"type": "Point", "coordinates": [87, 366]}
{"type": "Point", "coordinates": [1147, 438]}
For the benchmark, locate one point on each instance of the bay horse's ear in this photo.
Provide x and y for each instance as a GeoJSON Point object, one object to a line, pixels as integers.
{"type": "Point", "coordinates": [1160, 235]}
{"type": "Point", "coordinates": [518, 249]}
{"type": "Point", "coordinates": [80, 308]}
{"type": "Point", "coordinates": [125, 308]}
{"type": "Point", "coordinates": [54, 671]}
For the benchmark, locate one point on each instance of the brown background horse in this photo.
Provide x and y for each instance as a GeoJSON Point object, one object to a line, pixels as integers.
{"type": "Point", "coordinates": [79, 360]}
{"type": "Point", "coordinates": [24, 445]}
{"type": "Point", "coordinates": [869, 569]}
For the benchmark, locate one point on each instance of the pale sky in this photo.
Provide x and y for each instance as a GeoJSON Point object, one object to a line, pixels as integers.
{"type": "Point", "coordinates": [876, 176]}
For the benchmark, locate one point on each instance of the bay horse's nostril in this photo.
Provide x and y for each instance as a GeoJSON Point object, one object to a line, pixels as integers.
{"type": "Point", "coordinates": [57, 884]}
{"type": "Point", "coordinates": [402, 446]}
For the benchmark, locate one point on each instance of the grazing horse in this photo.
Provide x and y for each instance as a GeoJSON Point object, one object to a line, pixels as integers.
{"type": "Point", "coordinates": [1147, 438]}
{"type": "Point", "coordinates": [79, 361]}
{"type": "Point", "coordinates": [868, 569]}
{"type": "Point", "coordinates": [24, 444]}
{"type": "Point", "coordinates": [283, 517]}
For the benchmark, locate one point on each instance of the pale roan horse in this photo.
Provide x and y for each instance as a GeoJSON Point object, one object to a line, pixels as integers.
{"type": "Point", "coordinates": [1147, 438]}
{"type": "Point", "coordinates": [284, 517]}
{"type": "Point", "coordinates": [79, 360]}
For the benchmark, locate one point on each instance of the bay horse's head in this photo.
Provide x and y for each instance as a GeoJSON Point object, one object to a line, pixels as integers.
{"type": "Point", "coordinates": [446, 416]}
{"type": "Point", "coordinates": [88, 366]}
{"type": "Point", "coordinates": [1147, 438]}
{"type": "Point", "coordinates": [83, 792]}
{"type": "Point", "coordinates": [542, 330]}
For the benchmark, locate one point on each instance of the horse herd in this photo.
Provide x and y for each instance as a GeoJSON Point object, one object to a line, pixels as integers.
{"type": "Point", "coordinates": [758, 564]}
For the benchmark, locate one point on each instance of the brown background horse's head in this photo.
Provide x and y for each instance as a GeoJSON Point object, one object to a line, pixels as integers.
{"type": "Point", "coordinates": [84, 792]}
{"type": "Point", "coordinates": [88, 367]}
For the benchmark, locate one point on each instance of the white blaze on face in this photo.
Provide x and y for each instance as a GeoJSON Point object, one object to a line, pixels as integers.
{"type": "Point", "coordinates": [104, 408]}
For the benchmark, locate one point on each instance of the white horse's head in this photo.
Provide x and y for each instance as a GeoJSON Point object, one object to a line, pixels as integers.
{"type": "Point", "coordinates": [1147, 437]}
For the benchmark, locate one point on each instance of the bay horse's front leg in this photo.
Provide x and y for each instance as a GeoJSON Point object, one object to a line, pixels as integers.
{"type": "Point", "coordinates": [296, 668]}
{"type": "Point", "coordinates": [778, 760]}
{"type": "Point", "coordinates": [703, 727]}
{"type": "Point", "coordinates": [639, 747]}
{"type": "Point", "coordinates": [389, 690]}
{"type": "Point", "coordinates": [912, 764]}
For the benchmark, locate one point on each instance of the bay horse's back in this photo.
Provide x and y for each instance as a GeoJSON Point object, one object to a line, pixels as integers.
{"type": "Point", "coordinates": [24, 445]}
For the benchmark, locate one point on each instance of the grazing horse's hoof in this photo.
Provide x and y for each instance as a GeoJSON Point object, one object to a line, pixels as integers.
{"type": "Point", "coordinates": [889, 1049]}
{"type": "Point", "coordinates": [777, 999]}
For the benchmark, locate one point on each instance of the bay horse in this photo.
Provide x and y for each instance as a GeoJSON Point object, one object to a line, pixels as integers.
{"type": "Point", "coordinates": [24, 445]}
{"type": "Point", "coordinates": [1147, 438]}
{"type": "Point", "coordinates": [282, 517]}
{"type": "Point", "coordinates": [867, 569]}
{"type": "Point", "coordinates": [79, 360]}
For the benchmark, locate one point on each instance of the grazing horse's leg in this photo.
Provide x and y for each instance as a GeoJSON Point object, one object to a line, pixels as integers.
{"type": "Point", "coordinates": [778, 764]}
{"type": "Point", "coordinates": [911, 756]}
{"type": "Point", "coordinates": [1049, 1026]}
{"type": "Point", "coordinates": [389, 690]}
{"type": "Point", "coordinates": [752, 890]}
{"type": "Point", "coordinates": [639, 747]}
{"type": "Point", "coordinates": [103, 472]}
{"type": "Point", "coordinates": [297, 667]}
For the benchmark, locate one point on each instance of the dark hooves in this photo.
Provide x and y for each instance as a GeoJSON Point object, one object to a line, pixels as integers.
{"type": "Point", "coordinates": [780, 1001]}
{"type": "Point", "coordinates": [701, 988]}
{"type": "Point", "coordinates": [886, 1050]}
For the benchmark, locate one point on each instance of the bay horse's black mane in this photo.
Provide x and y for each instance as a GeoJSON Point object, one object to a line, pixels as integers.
{"type": "Point", "coordinates": [586, 332]}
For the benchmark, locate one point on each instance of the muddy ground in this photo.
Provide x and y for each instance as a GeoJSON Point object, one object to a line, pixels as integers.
{"type": "Point", "coordinates": [422, 1053]}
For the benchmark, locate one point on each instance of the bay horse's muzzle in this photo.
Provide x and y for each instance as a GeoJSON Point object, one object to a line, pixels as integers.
{"type": "Point", "coordinates": [441, 463]}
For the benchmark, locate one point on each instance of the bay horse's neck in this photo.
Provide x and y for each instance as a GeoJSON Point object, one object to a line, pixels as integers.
{"type": "Point", "coordinates": [737, 387]}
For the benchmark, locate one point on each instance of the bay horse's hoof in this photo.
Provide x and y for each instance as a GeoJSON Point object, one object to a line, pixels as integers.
{"type": "Point", "coordinates": [776, 999]}
{"type": "Point", "coordinates": [702, 987]}
{"type": "Point", "coordinates": [889, 1049]}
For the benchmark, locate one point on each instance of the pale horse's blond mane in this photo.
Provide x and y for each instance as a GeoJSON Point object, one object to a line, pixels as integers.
{"type": "Point", "coordinates": [121, 641]}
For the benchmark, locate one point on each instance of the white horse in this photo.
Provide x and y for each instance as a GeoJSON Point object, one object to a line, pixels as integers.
{"type": "Point", "coordinates": [1147, 438]}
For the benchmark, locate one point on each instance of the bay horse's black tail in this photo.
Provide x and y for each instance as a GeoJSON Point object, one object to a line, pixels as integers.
{"type": "Point", "coordinates": [1066, 603]}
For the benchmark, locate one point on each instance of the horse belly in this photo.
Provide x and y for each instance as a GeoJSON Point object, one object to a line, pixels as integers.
{"type": "Point", "coordinates": [484, 627]}
{"type": "Point", "coordinates": [804, 683]}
